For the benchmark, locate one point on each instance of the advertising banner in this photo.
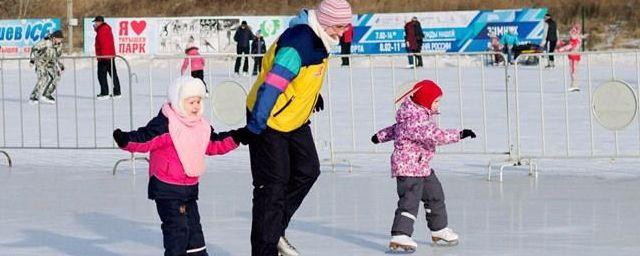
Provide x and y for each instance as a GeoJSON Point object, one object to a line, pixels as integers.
{"type": "Point", "coordinates": [17, 36]}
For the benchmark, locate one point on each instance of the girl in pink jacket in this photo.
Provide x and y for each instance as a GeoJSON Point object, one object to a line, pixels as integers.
{"type": "Point", "coordinates": [177, 139]}
{"type": "Point", "coordinates": [416, 135]}
{"type": "Point", "coordinates": [195, 63]}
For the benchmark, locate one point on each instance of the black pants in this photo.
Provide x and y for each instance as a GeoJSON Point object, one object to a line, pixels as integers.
{"type": "Point", "coordinates": [412, 190]}
{"type": "Point", "coordinates": [245, 67]}
{"type": "Point", "coordinates": [104, 67]}
{"type": "Point", "coordinates": [345, 48]}
{"type": "Point", "coordinates": [284, 167]}
{"type": "Point", "coordinates": [417, 57]}
{"type": "Point", "coordinates": [257, 65]}
{"type": "Point", "coordinates": [181, 229]}
{"type": "Point", "coordinates": [200, 75]}
{"type": "Point", "coordinates": [552, 48]}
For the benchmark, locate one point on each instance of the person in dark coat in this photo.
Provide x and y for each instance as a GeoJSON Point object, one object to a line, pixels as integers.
{"type": "Point", "coordinates": [258, 46]}
{"type": "Point", "coordinates": [413, 39]}
{"type": "Point", "coordinates": [419, 39]}
{"type": "Point", "coordinates": [242, 37]}
{"type": "Point", "coordinates": [550, 38]}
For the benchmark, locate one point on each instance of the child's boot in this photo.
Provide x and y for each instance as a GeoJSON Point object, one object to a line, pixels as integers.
{"type": "Point", "coordinates": [402, 244]}
{"type": "Point", "coordinates": [444, 237]}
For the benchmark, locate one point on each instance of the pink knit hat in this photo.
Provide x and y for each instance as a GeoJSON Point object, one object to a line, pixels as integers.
{"type": "Point", "coordinates": [334, 12]}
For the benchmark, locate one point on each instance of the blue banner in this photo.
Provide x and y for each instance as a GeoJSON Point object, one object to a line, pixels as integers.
{"type": "Point", "coordinates": [459, 31]}
{"type": "Point", "coordinates": [17, 36]}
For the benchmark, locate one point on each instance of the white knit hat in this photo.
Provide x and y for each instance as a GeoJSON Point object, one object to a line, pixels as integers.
{"type": "Point", "coordinates": [184, 87]}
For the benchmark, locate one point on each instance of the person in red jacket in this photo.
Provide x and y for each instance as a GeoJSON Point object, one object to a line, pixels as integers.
{"type": "Point", "coordinates": [106, 51]}
{"type": "Point", "coordinates": [345, 44]}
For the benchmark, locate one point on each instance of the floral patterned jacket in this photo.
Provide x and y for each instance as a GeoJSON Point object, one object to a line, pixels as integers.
{"type": "Point", "coordinates": [415, 136]}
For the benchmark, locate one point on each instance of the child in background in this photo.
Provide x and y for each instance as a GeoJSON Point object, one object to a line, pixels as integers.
{"type": "Point", "coordinates": [195, 63]}
{"type": "Point", "coordinates": [178, 138]}
{"type": "Point", "coordinates": [416, 135]}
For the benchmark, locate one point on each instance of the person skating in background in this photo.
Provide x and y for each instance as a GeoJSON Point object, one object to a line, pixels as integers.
{"type": "Point", "coordinates": [550, 38]}
{"type": "Point", "coordinates": [509, 41]}
{"type": "Point", "coordinates": [284, 160]}
{"type": "Point", "coordinates": [345, 44]}
{"type": "Point", "coordinates": [258, 46]}
{"type": "Point", "coordinates": [105, 52]}
{"type": "Point", "coordinates": [45, 55]}
{"type": "Point", "coordinates": [194, 63]}
{"type": "Point", "coordinates": [243, 36]}
{"type": "Point", "coordinates": [178, 138]}
{"type": "Point", "coordinates": [416, 136]}
{"type": "Point", "coordinates": [573, 46]}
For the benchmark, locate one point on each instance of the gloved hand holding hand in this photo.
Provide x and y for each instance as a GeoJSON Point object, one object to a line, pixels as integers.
{"type": "Point", "coordinates": [121, 138]}
{"type": "Point", "coordinates": [242, 136]}
{"type": "Point", "coordinates": [467, 133]}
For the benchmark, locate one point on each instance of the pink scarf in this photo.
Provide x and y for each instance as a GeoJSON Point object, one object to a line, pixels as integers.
{"type": "Point", "coordinates": [190, 136]}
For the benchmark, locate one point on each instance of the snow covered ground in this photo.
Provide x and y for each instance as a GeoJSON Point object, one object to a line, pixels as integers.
{"type": "Point", "coordinates": [66, 202]}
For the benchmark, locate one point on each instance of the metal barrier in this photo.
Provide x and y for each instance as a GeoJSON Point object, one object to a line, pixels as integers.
{"type": "Point", "coordinates": [357, 97]}
{"type": "Point", "coordinates": [487, 99]}
{"type": "Point", "coordinates": [560, 124]}
{"type": "Point", "coordinates": [474, 97]}
{"type": "Point", "coordinates": [65, 124]}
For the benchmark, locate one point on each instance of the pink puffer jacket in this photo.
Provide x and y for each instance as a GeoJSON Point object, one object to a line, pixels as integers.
{"type": "Point", "coordinates": [415, 136]}
{"type": "Point", "coordinates": [193, 62]}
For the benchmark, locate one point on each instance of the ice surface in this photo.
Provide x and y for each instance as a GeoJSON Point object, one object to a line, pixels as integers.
{"type": "Point", "coordinates": [66, 202]}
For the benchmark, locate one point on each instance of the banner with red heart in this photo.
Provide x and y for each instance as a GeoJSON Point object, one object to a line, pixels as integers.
{"type": "Point", "coordinates": [138, 26]}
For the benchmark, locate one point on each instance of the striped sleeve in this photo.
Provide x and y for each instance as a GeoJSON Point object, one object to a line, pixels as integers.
{"type": "Point", "coordinates": [286, 66]}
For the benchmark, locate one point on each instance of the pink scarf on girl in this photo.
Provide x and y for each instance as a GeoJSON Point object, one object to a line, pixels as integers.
{"type": "Point", "coordinates": [190, 136]}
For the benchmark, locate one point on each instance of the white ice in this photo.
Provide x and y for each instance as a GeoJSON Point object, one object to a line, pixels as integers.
{"type": "Point", "coordinates": [66, 202]}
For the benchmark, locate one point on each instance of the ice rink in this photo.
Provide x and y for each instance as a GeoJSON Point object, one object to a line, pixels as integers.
{"type": "Point", "coordinates": [67, 202]}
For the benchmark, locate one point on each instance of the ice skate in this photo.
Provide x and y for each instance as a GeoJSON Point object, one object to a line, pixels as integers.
{"type": "Point", "coordinates": [47, 100]}
{"type": "Point", "coordinates": [550, 65]}
{"type": "Point", "coordinates": [444, 237]}
{"type": "Point", "coordinates": [410, 66]}
{"type": "Point", "coordinates": [574, 87]}
{"type": "Point", "coordinates": [402, 244]}
{"type": "Point", "coordinates": [285, 248]}
{"type": "Point", "coordinates": [33, 100]}
{"type": "Point", "coordinates": [102, 97]}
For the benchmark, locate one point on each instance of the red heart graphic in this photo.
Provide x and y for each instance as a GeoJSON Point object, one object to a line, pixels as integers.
{"type": "Point", "coordinates": [138, 26]}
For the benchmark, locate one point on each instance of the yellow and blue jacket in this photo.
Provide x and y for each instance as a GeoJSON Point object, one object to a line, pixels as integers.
{"type": "Point", "coordinates": [287, 88]}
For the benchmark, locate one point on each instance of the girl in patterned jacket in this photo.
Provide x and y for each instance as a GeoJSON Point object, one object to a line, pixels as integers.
{"type": "Point", "coordinates": [416, 135]}
{"type": "Point", "coordinates": [178, 138]}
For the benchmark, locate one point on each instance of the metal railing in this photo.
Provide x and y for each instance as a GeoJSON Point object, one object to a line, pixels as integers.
{"type": "Point", "coordinates": [75, 121]}
{"type": "Point", "coordinates": [559, 124]}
